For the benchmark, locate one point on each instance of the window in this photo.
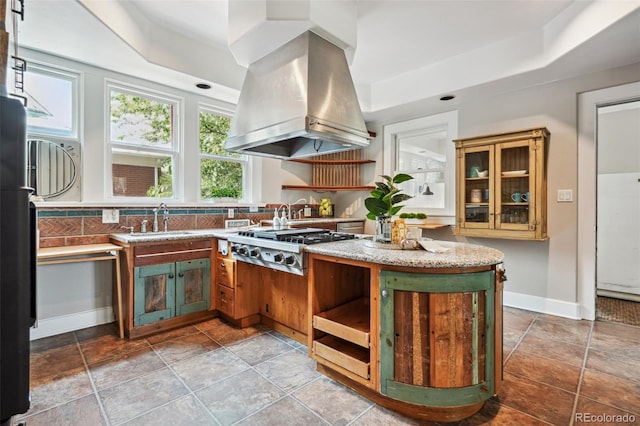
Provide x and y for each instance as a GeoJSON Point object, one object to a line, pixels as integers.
{"type": "Point", "coordinates": [52, 100]}
{"type": "Point", "coordinates": [143, 146]}
{"type": "Point", "coordinates": [222, 173]}
{"type": "Point", "coordinates": [424, 149]}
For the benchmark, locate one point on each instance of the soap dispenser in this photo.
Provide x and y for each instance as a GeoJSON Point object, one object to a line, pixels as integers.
{"type": "Point", "coordinates": [284, 222]}
{"type": "Point", "coordinates": [276, 220]}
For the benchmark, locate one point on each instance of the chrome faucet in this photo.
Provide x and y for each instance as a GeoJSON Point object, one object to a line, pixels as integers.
{"type": "Point", "coordinates": [165, 217]}
{"type": "Point", "coordinates": [304, 200]}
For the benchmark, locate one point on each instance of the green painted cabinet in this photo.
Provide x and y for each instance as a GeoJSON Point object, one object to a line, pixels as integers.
{"type": "Point", "coordinates": [437, 337]}
{"type": "Point", "coordinates": [171, 289]}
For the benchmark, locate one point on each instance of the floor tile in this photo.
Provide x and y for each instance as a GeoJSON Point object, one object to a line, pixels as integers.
{"type": "Point", "coordinates": [614, 363]}
{"type": "Point", "coordinates": [259, 348]}
{"type": "Point", "coordinates": [616, 338]}
{"type": "Point", "coordinates": [544, 370]}
{"type": "Point", "coordinates": [218, 364]}
{"type": "Point", "coordinates": [84, 411]}
{"type": "Point", "coordinates": [332, 401]}
{"type": "Point", "coordinates": [135, 397]}
{"type": "Point", "coordinates": [379, 416]}
{"type": "Point", "coordinates": [289, 371]}
{"type": "Point", "coordinates": [125, 367]}
{"type": "Point", "coordinates": [587, 409]}
{"type": "Point", "coordinates": [611, 390]}
{"type": "Point", "coordinates": [566, 352]}
{"type": "Point", "coordinates": [537, 399]}
{"type": "Point", "coordinates": [563, 329]}
{"type": "Point", "coordinates": [239, 396]}
{"type": "Point", "coordinates": [53, 342]}
{"type": "Point", "coordinates": [92, 333]}
{"type": "Point", "coordinates": [47, 365]}
{"type": "Point", "coordinates": [186, 411]}
{"type": "Point", "coordinates": [185, 347]}
{"type": "Point", "coordinates": [284, 412]}
{"type": "Point", "coordinates": [518, 318]}
{"type": "Point", "coordinates": [109, 346]}
{"type": "Point", "coordinates": [288, 340]}
{"type": "Point", "coordinates": [63, 387]}
{"type": "Point", "coordinates": [171, 334]}
{"type": "Point", "coordinates": [226, 334]}
{"type": "Point", "coordinates": [492, 413]}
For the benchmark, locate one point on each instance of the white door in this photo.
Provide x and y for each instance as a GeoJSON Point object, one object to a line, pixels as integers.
{"type": "Point", "coordinates": [618, 201]}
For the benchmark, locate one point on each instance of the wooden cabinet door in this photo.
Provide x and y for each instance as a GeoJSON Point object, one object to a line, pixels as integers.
{"type": "Point", "coordinates": [515, 200]}
{"type": "Point", "coordinates": [154, 293]}
{"type": "Point", "coordinates": [437, 344]}
{"type": "Point", "coordinates": [193, 286]}
{"type": "Point", "coordinates": [285, 298]}
{"type": "Point", "coordinates": [476, 195]}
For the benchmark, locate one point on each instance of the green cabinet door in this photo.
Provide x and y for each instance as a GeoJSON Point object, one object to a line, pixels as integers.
{"type": "Point", "coordinates": [154, 293]}
{"type": "Point", "coordinates": [193, 286]}
{"type": "Point", "coordinates": [437, 337]}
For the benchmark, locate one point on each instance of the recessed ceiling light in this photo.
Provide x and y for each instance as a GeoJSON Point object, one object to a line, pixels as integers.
{"type": "Point", "coordinates": [203, 86]}
{"type": "Point", "coordinates": [447, 97]}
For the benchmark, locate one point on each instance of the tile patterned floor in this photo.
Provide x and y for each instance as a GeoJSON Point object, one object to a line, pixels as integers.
{"type": "Point", "coordinates": [557, 371]}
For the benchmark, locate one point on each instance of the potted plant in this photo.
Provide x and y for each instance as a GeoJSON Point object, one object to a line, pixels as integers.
{"type": "Point", "coordinates": [414, 218]}
{"type": "Point", "coordinates": [385, 202]}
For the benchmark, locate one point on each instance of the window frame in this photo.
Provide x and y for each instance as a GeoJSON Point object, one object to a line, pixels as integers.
{"type": "Point", "coordinates": [392, 132]}
{"type": "Point", "coordinates": [175, 151]}
{"type": "Point", "coordinates": [76, 79]}
{"type": "Point", "coordinates": [243, 159]}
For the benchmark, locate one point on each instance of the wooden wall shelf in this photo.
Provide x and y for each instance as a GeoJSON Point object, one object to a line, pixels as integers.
{"type": "Point", "coordinates": [335, 172]}
{"type": "Point", "coordinates": [329, 188]}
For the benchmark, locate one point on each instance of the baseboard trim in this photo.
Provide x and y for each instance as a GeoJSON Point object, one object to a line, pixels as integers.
{"type": "Point", "coordinates": [542, 305]}
{"type": "Point", "coordinates": [76, 321]}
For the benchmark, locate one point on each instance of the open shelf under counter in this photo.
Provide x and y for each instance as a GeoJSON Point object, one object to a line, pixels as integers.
{"type": "Point", "coordinates": [349, 321]}
{"type": "Point", "coordinates": [351, 357]}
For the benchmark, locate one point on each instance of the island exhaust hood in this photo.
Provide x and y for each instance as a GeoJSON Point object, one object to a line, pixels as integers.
{"type": "Point", "coordinates": [298, 101]}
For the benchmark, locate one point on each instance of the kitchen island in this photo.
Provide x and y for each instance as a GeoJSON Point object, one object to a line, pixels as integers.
{"type": "Point", "coordinates": [415, 331]}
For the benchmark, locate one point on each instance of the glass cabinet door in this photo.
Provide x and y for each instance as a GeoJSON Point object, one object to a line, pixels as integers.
{"type": "Point", "coordinates": [154, 293]}
{"type": "Point", "coordinates": [477, 193]}
{"type": "Point", "coordinates": [517, 173]}
{"type": "Point", "coordinates": [193, 286]}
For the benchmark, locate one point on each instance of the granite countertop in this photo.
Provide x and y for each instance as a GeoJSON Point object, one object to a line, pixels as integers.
{"type": "Point", "coordinates": [138, 237]}
{"type": "Point", "coordinates": [457, 255]}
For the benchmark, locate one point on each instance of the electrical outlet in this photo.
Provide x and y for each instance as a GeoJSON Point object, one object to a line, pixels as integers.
{"type": "Point", "coordinates": [565, 195]}
{"type": "Point", "coordinates": [110, 216]}
{"type": "Point", "coordinates": [230, 213]}
{"type": "Point", "coordinates": [253, 209]}
{"type": "Point", "coordinates": [307, 211]}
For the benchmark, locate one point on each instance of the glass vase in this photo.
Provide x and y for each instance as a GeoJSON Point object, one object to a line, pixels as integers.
{"type": "Point", "coordinates": [383, 229]}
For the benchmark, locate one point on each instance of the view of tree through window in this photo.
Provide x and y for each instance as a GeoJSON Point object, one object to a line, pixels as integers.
{"type": "Point", "coordinates": [221, 172]}
{"type": "Point", "coordinates": [143, 150]}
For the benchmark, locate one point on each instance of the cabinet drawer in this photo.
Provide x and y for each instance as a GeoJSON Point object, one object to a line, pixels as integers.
{"type": "Point", "coordinates": [349, 322]}
{"type": "Point", "coordinates": [154, 254]}
{"type": "Point", "coordinates": [225, 298]}
{"type": "Point", "coordinates": [225, 272]}
{"type": "Point", "coordinates": [344, 354]}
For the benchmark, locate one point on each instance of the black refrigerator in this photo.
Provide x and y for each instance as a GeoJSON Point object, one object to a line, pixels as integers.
{"type": "Point", "coordinates": [17, 262]}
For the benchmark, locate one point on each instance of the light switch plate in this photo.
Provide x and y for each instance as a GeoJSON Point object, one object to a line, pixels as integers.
{"type": "Point", "coordinates": [110, 216]}
{"type": "Point", "coordinates": [307, 211]}
{"type": "Point", "coordinates": [565, 195]}
{"type": "Point", "coordinates": [253, 209]}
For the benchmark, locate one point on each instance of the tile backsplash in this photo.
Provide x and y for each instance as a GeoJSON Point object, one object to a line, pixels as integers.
{"type": "Point", "coordinates": [75, 226]}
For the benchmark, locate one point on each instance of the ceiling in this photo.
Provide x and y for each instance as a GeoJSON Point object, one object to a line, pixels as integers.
{"type": "Point", "coordinates": [406, 51]}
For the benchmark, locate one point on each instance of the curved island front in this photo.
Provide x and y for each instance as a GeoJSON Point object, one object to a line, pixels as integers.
{"type": "Point", "coordinates": [417, 332]}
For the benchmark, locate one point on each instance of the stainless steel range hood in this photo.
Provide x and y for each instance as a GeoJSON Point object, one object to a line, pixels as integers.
{"type": "Point", "coordinates": [298, 101]}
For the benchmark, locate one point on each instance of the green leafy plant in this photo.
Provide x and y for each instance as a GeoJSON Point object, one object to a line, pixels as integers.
{"type": "Point", "coordinates": [385, 199]}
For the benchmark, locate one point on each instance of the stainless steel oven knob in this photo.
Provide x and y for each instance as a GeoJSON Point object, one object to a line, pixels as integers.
{"type": "Point", "coordinates": [254, 252]}
{"type": "Point", "coordinates": [278, 257]}
{"type": "Point", "coordinates": [243, 250]}
{"type": "Point", "coordinates": [234, 248]}
{"type": "Point", "coordinates": [290, 260]}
